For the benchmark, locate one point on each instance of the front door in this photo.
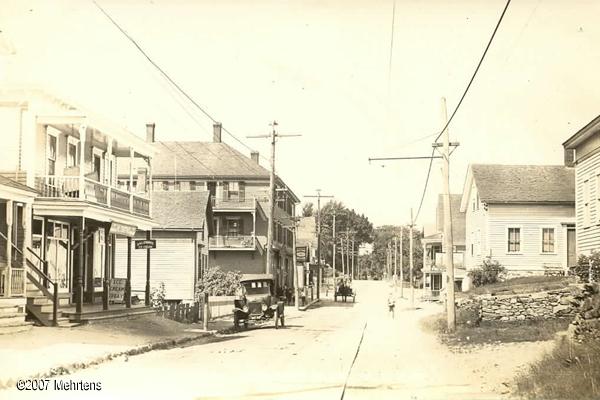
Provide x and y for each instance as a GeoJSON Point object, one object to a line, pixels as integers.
{"type": "Point", "coordinates": [571, 248]}
{"type": "Point", "coordinates": [436, 281]}
{"type": "Point", "coordinates": [57, 253]}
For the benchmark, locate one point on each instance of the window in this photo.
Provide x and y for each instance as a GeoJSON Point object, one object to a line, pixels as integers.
{"type": "Point", "coordinates": [192, 185]}
{"type": "Point", "coordinates": [51, 154]}
{"type": "Point", "coordinates": [234, 191]}
{"type": "Point", "coordinates": [514, 240]}
{"type": "Point", "coordinates": [547, 240]}
{"type": "Point", "coordinates": [72, 159]}
{"type": "Point", "coordinates": [177, 186]}
{"type": "Point", "coordinates": [234, 227]}
{"type": "Point", "coordinates": [165, 185]}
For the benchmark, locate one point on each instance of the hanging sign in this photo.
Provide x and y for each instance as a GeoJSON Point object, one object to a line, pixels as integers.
{"type": "Point", "coordinates": [301, 254]}
{"type": "Point", "coordinates": [145, 244]}
{"type": "Point", "coordinates": [122, 229]}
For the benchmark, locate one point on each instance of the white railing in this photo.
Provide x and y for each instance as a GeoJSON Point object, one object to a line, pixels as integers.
{"type": "Point", "coordinates": [120, 199]}
{"type": "Point", "coordinates": [96, 191]}
{"type": "Point", "coordinates": [141, 205]}
{"type": "Point", "coordinates": [240, 241]}
{"type": "Point", "coordinates": [246, 203]}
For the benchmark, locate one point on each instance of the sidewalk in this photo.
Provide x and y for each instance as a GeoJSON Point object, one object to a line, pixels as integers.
{"type": "Point", "coordinates": [46, 351]}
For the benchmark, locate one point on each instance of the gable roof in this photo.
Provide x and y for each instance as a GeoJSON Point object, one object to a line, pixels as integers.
{"type": "Point", "coordinates": [206, 159]}
{"type": "Point", "coordinates": [549, 184]}
{"type": "Point", "coordinates": [181, 210]}
{"type": "Point", "coordinates": [458, 218]}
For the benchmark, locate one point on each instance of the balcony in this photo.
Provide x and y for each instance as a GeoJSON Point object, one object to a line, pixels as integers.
{"type": "Point", "coordinates": [86, 189]}
{"type": "Point", "coordinates": [243, 242]}
{"type": "Point", "coordinates": [245, 204]}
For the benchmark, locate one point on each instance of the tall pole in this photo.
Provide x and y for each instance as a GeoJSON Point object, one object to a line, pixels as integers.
{"type": "Point", "coordinates": [352, 273]}
{"type": "Point", "coordinates": [395, 262]}
{"type": "Point", "coordinates": [334, 253]}
{"type": "Point", "coordinates": [348, 250]}
{"type": "Point", "coordinates": [318, 244]}
{"type": "Point", "coordinates": [342, 253]}
{"type": "Point", "coordinates": [401, 263]}
{"type": "Point", "coordinates": [448, 246]}
{"type": "Point", "coordinates": [295, 269]}
{"type": "Point", "coordinates": [269, 267]}
{"type": "Point", "coordinates": [412, 286]}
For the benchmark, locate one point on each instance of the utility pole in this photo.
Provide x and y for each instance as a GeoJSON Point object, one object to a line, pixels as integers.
{"type": "Point", "coordinates": [395, 262]}
{"type": "Point", "coordinates": [352, 257]}
{"type": "Point", "coordinates": [334, 253]}
{"type": "Point", "coordinates": [448, 244]}
{"type": "Point", "coordinates": [273, 136]}
{"type": "Point", "coordinates": [401, 263]}
{"type": "Point", "coordinates": [319, 196]}
{"type": "Point", "coordinates": [412, 286]}
{"type": "Point", "coordinates": [348, 249]}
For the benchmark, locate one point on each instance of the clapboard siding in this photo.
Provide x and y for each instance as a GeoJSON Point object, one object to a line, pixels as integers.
{"type": "Point", "coordinates": [476, 227]}
{"type": "Point", "coordinates": [588, 237]}
{"type": "Point", "coordinates": [172, 262]}
{"type": "Point", "coordinates": [531, 219]}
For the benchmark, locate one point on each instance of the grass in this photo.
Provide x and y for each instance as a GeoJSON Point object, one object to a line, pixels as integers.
{"type": "Point", "coordinates": [570, 371]}
{"type": "Point", "coordinates": [494, 332]}
{"type": "Point", "coordinates": [521, 285]}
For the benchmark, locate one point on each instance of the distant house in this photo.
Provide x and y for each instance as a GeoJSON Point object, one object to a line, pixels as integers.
{"type": "Point", "coordinates": [520, 215]}
{"type": "Point", "coordinates": [582, 151]}
{"type": "Point", "coordinates": [184, 222]}
{"type": "Point", "coordinates": [239, 191]}
{"type": "Point", "coordinates": [434, 271]}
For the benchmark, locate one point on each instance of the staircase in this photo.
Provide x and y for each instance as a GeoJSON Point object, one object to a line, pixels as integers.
{"type": "Point", "coordinates": [40, 308]}
{"type": "Point", "coordinates": [12, 319]}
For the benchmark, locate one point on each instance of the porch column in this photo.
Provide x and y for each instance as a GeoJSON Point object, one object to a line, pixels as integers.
{"type": "Point", "coordinates": [82, 133]}
{"type": "Point", "coordinates": [106, 282]}
{"type": "Point", "coordinates": [109, 181]}
{"type": "Point", "coordinates": [131, 160]}
{"type": "Point", "coordinates": [128, 282]}
{"type": "Point", "coordinates": [79, 284]}
{"type": "Point", "coordinates": [27, 219]}
{"type": "Point", "coordinates": [150, 186]}
{"type": "Point", "coordinates": [9, 221]}
{"type": "Point", "coordinates": [147, 297]}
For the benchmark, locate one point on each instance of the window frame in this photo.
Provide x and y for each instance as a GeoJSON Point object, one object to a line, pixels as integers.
{"type": "Point", "coordinates": [507, 241]}
{"type": "Point", "coordinates": [51, 157]}
{"type": "Point", "coordinates": [73, 141]}
{"type": "Point", "coordinates": [554, 244]}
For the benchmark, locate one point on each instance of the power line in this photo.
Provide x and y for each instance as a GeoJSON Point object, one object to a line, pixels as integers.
{"type": "Point", "coordinates": [476, 69]}
{"type": "Point", "coordinates": [460, 102]}
{"type": "Point", "coordinates": [179, 88]}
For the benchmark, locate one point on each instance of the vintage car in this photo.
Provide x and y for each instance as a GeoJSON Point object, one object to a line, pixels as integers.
{"type": "Point", "coordinates": [257, 302]}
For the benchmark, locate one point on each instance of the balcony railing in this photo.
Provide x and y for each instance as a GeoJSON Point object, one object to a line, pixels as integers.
{"type": "Point", "coordinates": [68, 187]}
{"type": "Point", "coordinates": [16, 282]}
{"type": "Point", "coordinates": [243, 204]}
{"type": "Point", "coordinates": [237, 242]}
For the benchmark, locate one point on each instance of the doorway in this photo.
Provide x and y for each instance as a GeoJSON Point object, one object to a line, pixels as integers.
{"type": "Point", "coordinates": [571, 247]}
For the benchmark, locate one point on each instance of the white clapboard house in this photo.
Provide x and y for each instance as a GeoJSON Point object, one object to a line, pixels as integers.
{"type": "Point", "coordinates": [520, 215]}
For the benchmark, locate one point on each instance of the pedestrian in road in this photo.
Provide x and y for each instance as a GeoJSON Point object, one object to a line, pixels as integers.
{"type": "Point", "coordinates": [391, 304]}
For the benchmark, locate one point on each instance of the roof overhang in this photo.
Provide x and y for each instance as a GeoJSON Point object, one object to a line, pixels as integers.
{"type": "Point", "coordinates": [15, 194]}
{"type": "Point", "coordinates": [583, 134]}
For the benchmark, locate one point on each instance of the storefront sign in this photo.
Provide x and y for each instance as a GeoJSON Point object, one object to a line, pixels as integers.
{"type": "Point", "coordinates": [122, 229]}
{"type": "Point", "coordinates": [301, 254]}
{"type": "Point", "coordinates": [116, 293]}
{"type": "Point", "coordinates": [145, 244]}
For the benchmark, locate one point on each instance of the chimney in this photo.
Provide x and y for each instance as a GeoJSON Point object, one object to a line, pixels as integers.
{"type": "Point", "coordinates": [569, 157]}
{"type": "Point", "coordinates": [150, 132]}
{"type": "Point", "coordinates": [254, 156]}
{"type": "Point", "coordinates": [217, 132]}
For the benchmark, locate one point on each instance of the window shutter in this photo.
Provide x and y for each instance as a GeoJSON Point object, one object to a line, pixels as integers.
{"type": "Point", "coordinates": [242, 191]}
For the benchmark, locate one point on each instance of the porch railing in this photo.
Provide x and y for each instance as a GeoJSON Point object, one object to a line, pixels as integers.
{"type": "Point", "coordinates": [43, 282]}
{"type": "Point", "coordinates": [240, 241]}
{"type": "Point", "coordinates": [13, 275]}
{"type": "Point", "coordinates": [17, 281]}
{"type": "Point", "coordinates": [242, 204]}
{"type": "Point", "coordinates": [68, 187]}
{"type": "Point", "coordinates": [3, 281]}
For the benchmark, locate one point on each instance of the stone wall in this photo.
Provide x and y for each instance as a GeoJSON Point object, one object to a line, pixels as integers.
{"type": "Point", "coordinates": [586, 324]}
{"type": "Point", "coordinates": [519, 307]}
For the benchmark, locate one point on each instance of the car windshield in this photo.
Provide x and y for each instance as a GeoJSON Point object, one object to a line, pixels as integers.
{"type": "Point", "coordinates": [257, 287]}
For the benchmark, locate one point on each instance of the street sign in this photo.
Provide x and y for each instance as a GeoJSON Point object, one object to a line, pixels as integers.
{"type": "Point", "coordinates": [145, 244]}
{"type": "Point", "coordinates": [301, 254]}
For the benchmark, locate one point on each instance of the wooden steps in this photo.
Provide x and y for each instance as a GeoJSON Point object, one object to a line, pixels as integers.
{"type": "Point", "coordinates": [99, 315]}
{"type": "Point", "coordinates": [12, 319]}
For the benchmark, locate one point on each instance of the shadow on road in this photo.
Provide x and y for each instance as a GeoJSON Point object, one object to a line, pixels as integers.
{"type": "Point", "coordinates": [331, 303]}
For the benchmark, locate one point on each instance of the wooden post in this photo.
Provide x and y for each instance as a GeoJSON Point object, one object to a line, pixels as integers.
{"type": "Point", "coordinates": [105, 292]}
{"type": "Point", "coordinates": [79, 284]}
{"type": "Point", "coordinates": [147, 296]}
{"type": "Point", "coordinates": [9, 225]}
{"type": "Point", "coordinates": [205, 312]}
{"type": "Point", "coordinates": [128, 282]}
{"type": "Point", "coordinates": [82, 138]}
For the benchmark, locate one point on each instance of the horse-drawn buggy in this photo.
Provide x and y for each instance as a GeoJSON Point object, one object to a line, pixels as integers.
{"type": "Point", "coordinates": [344, 290]}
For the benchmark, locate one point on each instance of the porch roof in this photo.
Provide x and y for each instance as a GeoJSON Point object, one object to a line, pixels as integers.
{"type": "Point", "coordinates": [181, 210]}
{"type": "Point", "coordinates": [12, 190]}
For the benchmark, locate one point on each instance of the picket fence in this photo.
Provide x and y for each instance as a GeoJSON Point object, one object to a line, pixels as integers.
{"type": "Point", "coordinates": [218, 306]}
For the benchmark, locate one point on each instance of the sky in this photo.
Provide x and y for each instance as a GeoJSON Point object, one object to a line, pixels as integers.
{"type": "Point", "coordinates": [321, 69]}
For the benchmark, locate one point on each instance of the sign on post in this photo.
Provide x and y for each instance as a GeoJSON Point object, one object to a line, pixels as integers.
{"type": "Point", "coordinates": [116, 292]}
{"type": "Point", "coordinates": [145, 244]}
{"type": "Point", "coordinates": [301, 254]}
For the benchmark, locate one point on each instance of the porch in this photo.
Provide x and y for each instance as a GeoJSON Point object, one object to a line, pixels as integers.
{"type": "Point", "coordinates": [96, 312]}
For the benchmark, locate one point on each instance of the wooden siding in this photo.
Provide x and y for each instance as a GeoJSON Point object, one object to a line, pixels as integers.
{"type": "Point", "coordinates": [530, 219]}
{"type": "Point", "coordinates": [172, 262]}
{"type": "Point", "coordinates": [588, 235]}
{"type": "Point", "coordinates": [476, 227]}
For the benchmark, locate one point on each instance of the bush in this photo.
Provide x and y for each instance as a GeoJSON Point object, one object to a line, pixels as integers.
{"type": "Point", "coordinates": [490, 272]}
{"type": "Point", "coordinates": [582, 268]}
{"type": "Point", "coordinates": [217, 282]}
{"type": "Point", "coordinates": [157, 295]}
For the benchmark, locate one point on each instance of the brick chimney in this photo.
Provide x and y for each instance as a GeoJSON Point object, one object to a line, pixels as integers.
{"type": "Point", "coordinates": [254, 156]}
{"type": "Point", "coordinates": [150, 132]}
{"type": "Point", "coordinates": [217, 132]}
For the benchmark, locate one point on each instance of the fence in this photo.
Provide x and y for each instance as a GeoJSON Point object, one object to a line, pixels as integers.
{"type": "Point", "coordinates": [218, 306]}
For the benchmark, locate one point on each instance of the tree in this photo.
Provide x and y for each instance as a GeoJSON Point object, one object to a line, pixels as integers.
{"type": "Point", "coordinates": [385, 234]}
{"type": "Point", "coordinates": [583, 270]}
{"type": "Point", "coordinates": [308, 210]}
{"type": "Point", "coordinates": [217, 282]}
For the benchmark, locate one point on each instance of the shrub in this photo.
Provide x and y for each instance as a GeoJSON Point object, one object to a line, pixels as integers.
{"type": "Point", "coordinates": [217, 282]}
{"type": "Point", "coordinates": [582, 268]}
{"type": "Point", "coordinates": [157, 295]}
{"type": "Point", "coordinates": [490, 272]}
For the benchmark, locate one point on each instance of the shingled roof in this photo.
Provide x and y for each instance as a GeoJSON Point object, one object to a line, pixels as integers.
{"type": "Point", "coordinates": [16, 185]}
{"type": "Point", "coordinates": [204, 159]}
{"type": "Point", "coordinates": [524, 183]}
{"type": "Point", "coordinates": [181, 210]}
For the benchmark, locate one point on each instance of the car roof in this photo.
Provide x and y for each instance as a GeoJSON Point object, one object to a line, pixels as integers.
{"type": "Point", "coordinates": [256, 277]}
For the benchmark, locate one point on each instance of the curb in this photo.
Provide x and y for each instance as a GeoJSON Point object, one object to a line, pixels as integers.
{"type": "Point", "coordinates": [77, 366]}
{"type": "Point", "coordinates": [306, 307]}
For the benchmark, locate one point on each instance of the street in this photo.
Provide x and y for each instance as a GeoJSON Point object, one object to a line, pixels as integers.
{"type": "Point", "coordinates": [312, 358]}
